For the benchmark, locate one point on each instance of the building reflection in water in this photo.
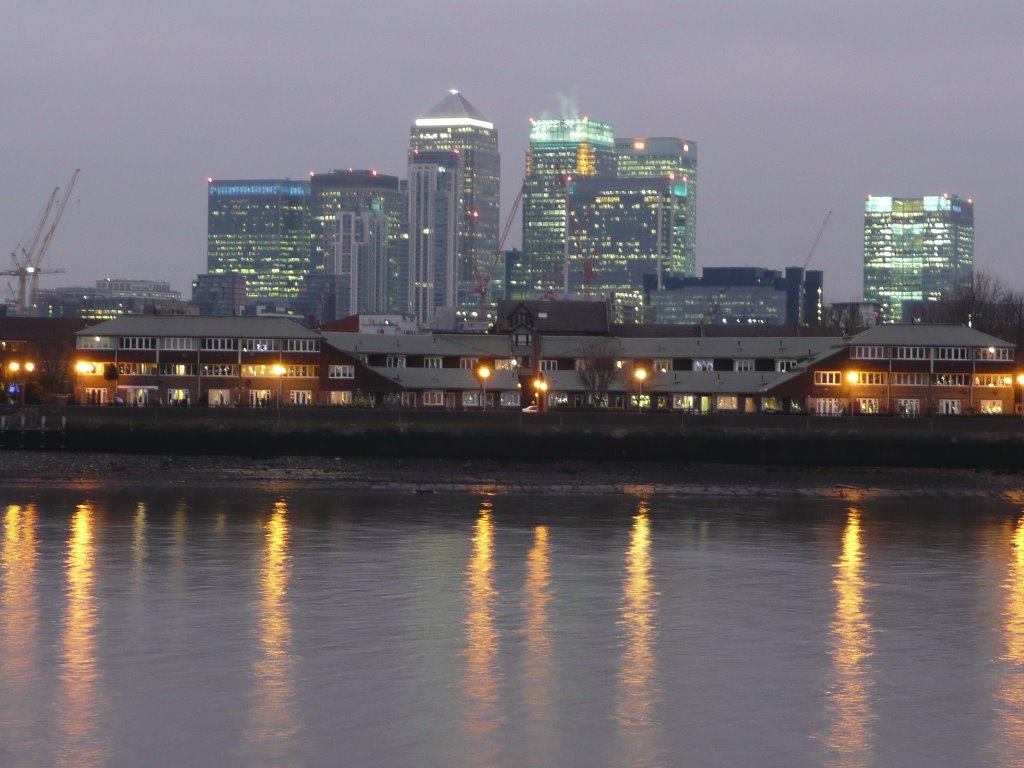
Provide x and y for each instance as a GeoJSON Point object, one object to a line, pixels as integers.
{"type": "Point", "coordinates": [79, 709]}
{"type": "Point", "coordinates": [481, 720]}
{"type": "Point", "coordinates": [275, 723]}
{"type": "Point", "coordinates": [19, 664]}
{"type": "Point", "coordinates": [1011, 693]}
{"type": "Point", "coordinates": [638, 691]}
{"type": "Point", "coordinates": [537, 664]}
{"type": "Point", "coordinates": [849, 738]}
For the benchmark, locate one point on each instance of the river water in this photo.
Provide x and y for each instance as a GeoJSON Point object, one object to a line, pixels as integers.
{"type": "Point", "coordinates": [313, 628]}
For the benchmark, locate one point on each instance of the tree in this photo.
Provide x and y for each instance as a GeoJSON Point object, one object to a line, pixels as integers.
{"type": "Point", "coordinates": [597, 371]}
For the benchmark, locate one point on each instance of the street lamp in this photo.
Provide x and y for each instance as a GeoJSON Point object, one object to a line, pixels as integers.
{"type": "Point", "coordinates": [540, 387]}
{"type": "Point", "coordinates": [640, 374]}
{"type": "Point", "coordinates": [16, 367]}
{"type": "Point", "coordinates": [278, 371]}
{"type": "Point", "coordinates": [852, 377]}
{"type": "Point", "coordinates": [484, 373]}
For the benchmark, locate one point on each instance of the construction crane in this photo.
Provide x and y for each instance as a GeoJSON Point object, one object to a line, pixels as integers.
{"type": "Point", "coordinates": [482, 277]}
{"type": "Point", "coordinates": [817, 237]}
{"type": "Point", "coordinates": [28, 260]}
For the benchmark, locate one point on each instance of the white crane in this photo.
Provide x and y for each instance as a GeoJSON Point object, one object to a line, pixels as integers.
{"type": "Point", "coordinates": [28, 260]}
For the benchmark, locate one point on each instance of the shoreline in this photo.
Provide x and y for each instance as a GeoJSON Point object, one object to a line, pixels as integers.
{"type": "Point", "coordinates": [33, 470]}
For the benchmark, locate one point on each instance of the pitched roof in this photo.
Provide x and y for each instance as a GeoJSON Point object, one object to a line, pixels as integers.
{"type": "Point", "coordinates": [453, 107]}
{"type": "Point", "coordinates": [199, 326]}
{"type": "Point", "coordinates": [557, 316]}
{"type": "Point", "coordinates": [928, 335]}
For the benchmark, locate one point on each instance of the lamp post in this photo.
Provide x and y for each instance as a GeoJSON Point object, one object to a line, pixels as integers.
{"type": "Point", "coordinates": [640, 374]}
{"type": "Point", "coordinates": [852, 378]}
{"type": "Point", "coordinates": [540, 387]}
{"type": "Point", "coordinates": [484, 373]}
{"type": "Point", "coordinates": [1020, 380]}
{"type": "Point", "coordinates": [279, 372]}
{"type": "Point", "coordinates": [26, 367]}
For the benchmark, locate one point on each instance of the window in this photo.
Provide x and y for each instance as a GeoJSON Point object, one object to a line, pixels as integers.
{"type": "Point", "coordinates": [704, 365]}
{"type": "Point", "coordinates": [177, 369]}
{"type": "Point", "coordinates": [341, 371]}
{"type": "Point", "coordinates": [302, 345]}
{"type": "Point", "coordinates": [395, 361]}
{"type": "Point", "coordinates": [909, 379]}
{"type": "Point", "coordinates": [954, 353]}
{"type": "Point", "coordinates": [869, 353]}
{"type": "Point", "coordinates": [218, 344]}
{"type": "Point", "coordinates": [137, 342]}
{"type": "Point", "coordinates": [867, 405]}
{"type": "Point", "coordinates": [952, 380]}
{"type": "Point", "coordinates": [95, 396]}
{"type": "Point", "coordinates": [433, 397]}
{"type": "Point", "coordinates": [990, 407]}
{"type": "Point", "coordinates": [508, 364]}
{"type": "Point", "coordinates": [745, 364]}
{"type": "Point", "coordinates": [469, 363]}
{"type": "Point", "coordinates": [661, 364]}
{"type": "Point", "coordinates": [471, 399]}
{"type": "Point", "coordinates": [784, 364]}
{"type": "Point", "coordinates": [905, 407]}
{"type": "Point", "coordinates": [726, 403]}
{"type": "Point", "coordinates": [870, 377]}
{"type": "Point", "coordinates": [177, 343]}
{"type": "Point", "coordinates": [994, 353]}
{"type": "Point", "coordinates": [828, 377]}
{"type": "Point", "coordinates": [828, 406]}
{"type": "Point", "coordinates": [432, 362]}
{"type": "Point", "coordinates": [522, 339]}
{"type": "Point", "coordinates": [549, 365]}
{"type": "Point", "coordinates": [342, 397]}
{"type": "Point", "coordinates": [95, 342]}
{"type": "Point", "coordinates": [992, 380]}
{"type": "Point", "coordinates": [261, 345]}
{"type": "Point", "coordinates": [217, 369]}
{"type": "Point", "coordinates": [509, 398]}
{"type": "Point", "coordinates": [137, 369]}
{"type": "Point", "coordinates": [301, 397]}
{"type": "Point", "coordinates": [300, 371]}
{"type": "Point", "coordinates": [684, 402]}
{"type": "Point", "coordinates": [949, 407]}
{"type": "Point", "coordinates": [910, 353]}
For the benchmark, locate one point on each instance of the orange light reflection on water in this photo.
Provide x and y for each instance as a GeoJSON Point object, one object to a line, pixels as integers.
{"type": "Point", "coordinates": [274, 721]}
{"type": "Point", "coordinates": [19, 663]}
{"type": "Point", "coordinates": [480, 721]}
{"type": "Point", "coordinates": [850, 738]}
{"type": "Point", "coordinates": [537, 664]}
{"type": "Point", "coordinates": [1011, 692]}
{"type": "Point", "coordinates": [79, 706]}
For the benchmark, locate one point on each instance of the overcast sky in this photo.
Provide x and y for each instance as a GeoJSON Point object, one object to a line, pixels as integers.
{"type": "Point", "coordinates": [798, 107]}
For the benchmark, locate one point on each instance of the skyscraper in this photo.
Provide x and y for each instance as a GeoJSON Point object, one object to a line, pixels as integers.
{"type": "Point", "coordinates": [260, 229]}
{"type": "Point", "coordinates": [435, 180]}
{"type": "Point", "coordinates": [455, 125]}
{"type": "Point", "coordinates": [675, 159]}
{"type": "Point", "coordinates": [560, 150]}
{"type": "Point", "coordinates": [627, 228]}
{"type": "Point", "coordinates": [376, 200]}
{"type": "Point", "coordinates": [916, 249]}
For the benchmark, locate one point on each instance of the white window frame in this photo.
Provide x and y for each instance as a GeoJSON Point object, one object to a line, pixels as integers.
{"type": "Point", "coordinates": [744, 364]}
{"type": "Point", "coordinates": [433, 361]}
{"type": "Point", "coordinates": [704, 364]}
{"type": "Point", "coordinates": [394, 361]}
{"type": "Point", "coordinates": [828, 378]}
{"type": "Point", "coordinates": [341, 372]}
{"type": "Point", "coordinates": [432, 398]}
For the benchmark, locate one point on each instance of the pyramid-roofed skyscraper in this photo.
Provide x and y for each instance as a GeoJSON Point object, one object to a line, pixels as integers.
{"type": "Point", "coordinates": [455, 125]}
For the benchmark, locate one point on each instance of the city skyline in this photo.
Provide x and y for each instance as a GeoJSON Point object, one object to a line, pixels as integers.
{"type": "Point", "coordinates": [791, 105]}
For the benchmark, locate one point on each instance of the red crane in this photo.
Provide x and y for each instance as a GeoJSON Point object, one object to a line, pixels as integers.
{"type": "Point", "coordinates": [483, 276]}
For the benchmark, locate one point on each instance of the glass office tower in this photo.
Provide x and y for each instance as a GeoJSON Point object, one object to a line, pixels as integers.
{"type": "Point", "coordinates": [672, 158]}
{"type": "Point", "coordinates": [260, 229]}
{"type": "Point", "coordinates": [455, 125]}
{"type": "Point", "coordinates": [916, 249]}
{"type": "Point", "coordinates": [560, 151]}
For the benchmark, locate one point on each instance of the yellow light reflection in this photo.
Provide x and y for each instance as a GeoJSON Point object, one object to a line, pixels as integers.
{"type": "Point", "coordinates": [79, 705]}
{"type": "Point", "coordinates": [480, 685]}
{"type": "Point", "coordinates": [139, 545]}
{"type": "Point", "coordinates": [538, 662]}
{"type": "Point", "coordinates": [638, 693]}
{"type": "Point", "coordinates": [275, 722]}
{"type": "Point", "coordinates": [849, 738]}
{"type": "Point", "coordinates": [18, 641]}
{"type": "Point", "coordinates": [1011, 694]}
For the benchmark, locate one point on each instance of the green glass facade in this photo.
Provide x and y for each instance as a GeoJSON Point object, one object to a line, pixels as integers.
{"type": "Point", "coordinates": [560, 150]}
{"type": "Point", "coordinates": [675, 159]}
{"type": "Point", "coordinates": [456, 125]}
{"type": "Point", "coordinates": [916, 249]}
{"type": "Point", "coordinates": [260, 229]}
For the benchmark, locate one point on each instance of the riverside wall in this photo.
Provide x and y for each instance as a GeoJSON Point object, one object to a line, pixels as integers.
{"type": "Point", "coordinates": [995, 443]}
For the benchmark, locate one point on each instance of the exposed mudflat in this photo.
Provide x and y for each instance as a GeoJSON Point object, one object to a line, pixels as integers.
{"type": "Point", "coordinates": [34, 469]}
